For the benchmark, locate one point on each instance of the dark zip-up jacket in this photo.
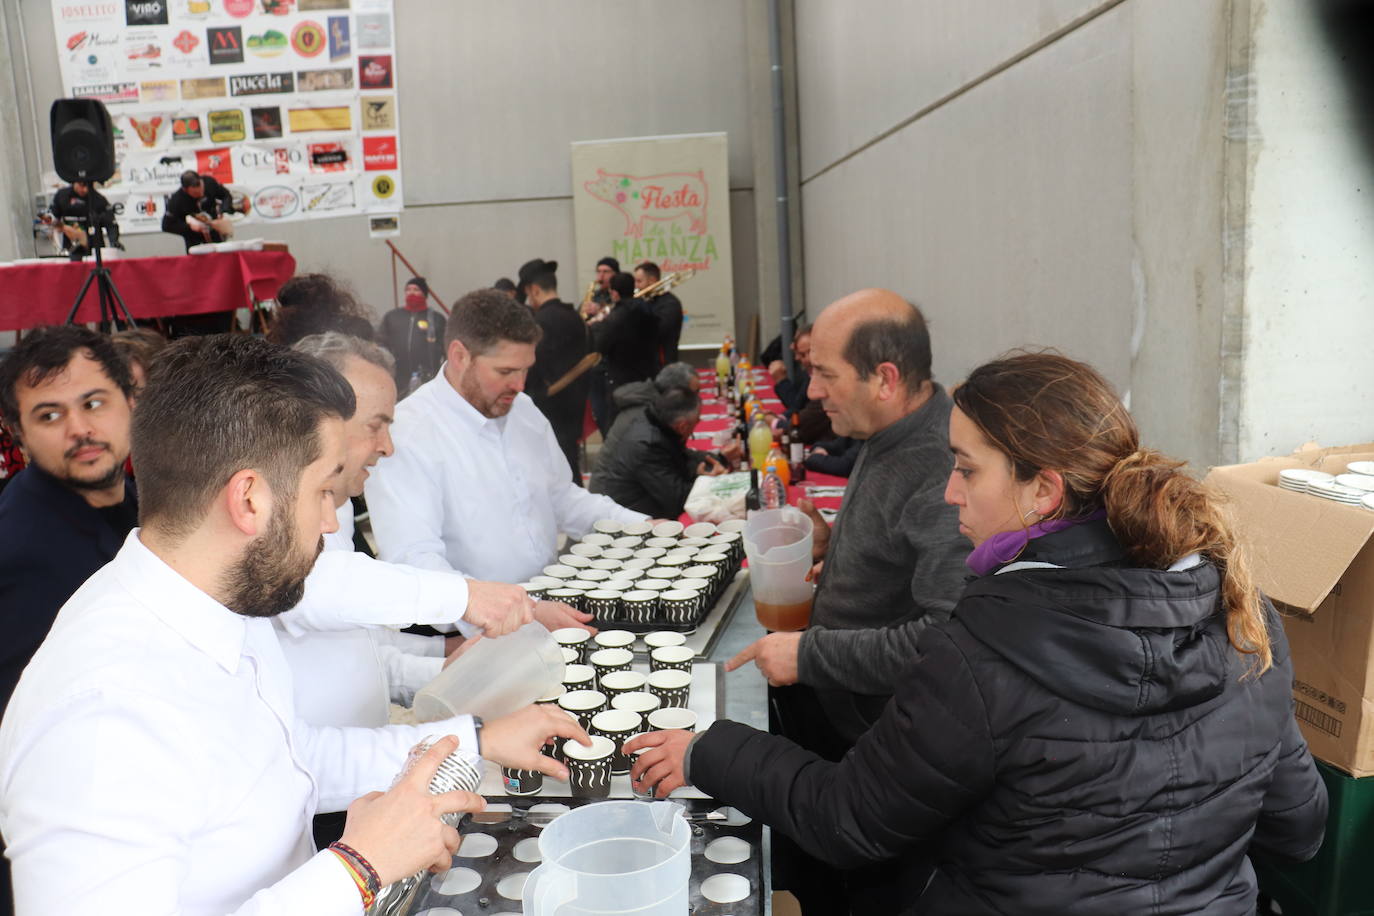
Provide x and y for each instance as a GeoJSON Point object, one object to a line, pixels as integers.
{"type": "Point", "coordinates": [1079, 738]}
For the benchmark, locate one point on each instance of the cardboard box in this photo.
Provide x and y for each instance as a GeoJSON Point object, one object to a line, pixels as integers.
{"type": "Point", "coordinates": [1315, 560]}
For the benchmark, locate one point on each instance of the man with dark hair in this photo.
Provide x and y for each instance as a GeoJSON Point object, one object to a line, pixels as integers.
{"type": "Point", "coordinates": [505, 285]}
{"type": "Point", "coordinates": [895, 562]}
{"type": "Point", "coordinates": [77, 211]}
{"type": "Point", "coordinates": [314, 304]}
{"type": "Point", "coordinates": [646, 465]}
{"type": "Point", "coordinates": [624, 334]}
{"type": "Point", "coordinates": [199, 210]}
{"type": "Point", "coordinates": [153, 736]}
{"type": "Point", "coordinates": [414, 333]}
{"type": "Point", "coordinates": [666, 307]}
{"type": "Point", "coordinates": [812, 423]}
{"type": "Point", "coordinates": [65, 395]}
{"type": "Point", "coordinates": [478, 482]}
{"type": "Point", "coordinates": [562, 346]}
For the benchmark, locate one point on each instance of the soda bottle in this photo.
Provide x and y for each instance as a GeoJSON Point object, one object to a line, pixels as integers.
{"type": "Point", "coordinates": [777, 464]}
{"type": "Point", "coordinates": [760, 439]}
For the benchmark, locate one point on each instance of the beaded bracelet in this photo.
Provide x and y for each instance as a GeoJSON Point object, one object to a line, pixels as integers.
{"type": "Point", "coordinates": [360, 870]}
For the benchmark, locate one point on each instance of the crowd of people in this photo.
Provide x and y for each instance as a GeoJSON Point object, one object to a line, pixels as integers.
{"type": "Point", "coordinates": [1038, 676]}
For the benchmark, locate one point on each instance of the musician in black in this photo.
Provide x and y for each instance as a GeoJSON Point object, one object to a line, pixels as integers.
{"type": "Point", "coordinates": [199, 212]}
{"type": "Point", "coordinates": [77, 210]}
{"type": "Point", "coordinates": [668, 309]}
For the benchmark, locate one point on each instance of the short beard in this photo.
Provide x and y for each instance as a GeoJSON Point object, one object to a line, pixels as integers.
{"type": "Point", "coordinates": [269, 579]}
{"type": "Point", "coordinates": [113, 477]}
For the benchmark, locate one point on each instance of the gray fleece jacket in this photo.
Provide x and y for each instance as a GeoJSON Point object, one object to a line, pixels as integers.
{"type": "Point", "coordinates": [895, 564]}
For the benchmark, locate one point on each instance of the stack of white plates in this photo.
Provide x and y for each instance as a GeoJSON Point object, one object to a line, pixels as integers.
{"type": "Point", "coordinates": [1361, 467]}
{"type": "Point", "coordinates": [1297, 479]}
{"type": "Point", "coordinates": [1368, 501]}
{"type": "Point", "coordinates": [1337, 493]}
{"type": "Point", "coordinates": [1361, 482]}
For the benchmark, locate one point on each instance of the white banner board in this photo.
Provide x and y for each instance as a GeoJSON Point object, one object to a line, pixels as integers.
{"type": "Point", "coordinates": [665, 200]}
{"type": "Point", "coordinates": [291, 103]}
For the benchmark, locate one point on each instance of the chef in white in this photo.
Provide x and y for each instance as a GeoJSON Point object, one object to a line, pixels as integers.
{"type": "Point", "coordinates": [478, 482]}
{"type": "Point", "coordinates": [151, 761]}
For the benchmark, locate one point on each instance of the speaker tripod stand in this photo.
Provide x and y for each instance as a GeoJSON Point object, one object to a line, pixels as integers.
{"type": "Point", "coordinates": [106, 291]}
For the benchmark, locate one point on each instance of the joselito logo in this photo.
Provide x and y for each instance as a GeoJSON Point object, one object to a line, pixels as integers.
{"type": "Point", "coordinates": [379, 153]}
{"type": "Point", "coordinates": [85, 12]}
{"type": "Point", "coordinates": [226, 45]}
{"type": "Point", "coordinates": [261, 83]}
{"type": "Point", "coordinates": [145, 12]}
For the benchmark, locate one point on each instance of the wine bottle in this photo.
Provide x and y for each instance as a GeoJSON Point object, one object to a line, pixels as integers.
{"type": "Point", "coordinates": [751, 499]}
{"type": "Point", "coordinates": [796, 452]}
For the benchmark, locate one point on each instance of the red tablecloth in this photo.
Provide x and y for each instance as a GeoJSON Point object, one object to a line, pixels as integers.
{"type": "Point", "coordinates": [710, 424]}
{"type": "Point", "coordinates": [35, 294]}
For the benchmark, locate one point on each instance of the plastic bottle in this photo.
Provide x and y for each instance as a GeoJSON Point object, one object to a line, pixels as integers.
{"type": "Point", "coordinates": [415, 382]}
{"type": "Point", "coordinates": [776, 463]}
{"type": "Point", "coordinates": [796, 452]}
{"type": "Point", "coordinates": [773, 493]}
{"type": "Point", "coordinates": [759, 441]}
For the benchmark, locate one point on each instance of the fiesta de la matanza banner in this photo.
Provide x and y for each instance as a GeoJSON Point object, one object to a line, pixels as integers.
{"type": "Point", "coordinates": [290, 103]}
{"type": "Point", "coordinates": [665, 200]}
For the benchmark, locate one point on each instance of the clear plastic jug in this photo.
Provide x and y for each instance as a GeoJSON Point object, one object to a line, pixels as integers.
{"type": "Point", "coordinates": [778, 545]}
{"type": "Point", "coordinates": [630, 858]}
{"type": "Point", "coordinates": [495, 677]}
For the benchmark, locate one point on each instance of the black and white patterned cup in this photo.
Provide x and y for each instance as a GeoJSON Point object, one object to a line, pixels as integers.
{"type": "Point", "coordinates": [583, 704]}
{"type": "Point", "coordinates": [551, 698]}
{"type": "Point", "coordinates": [579, 677]}
{"type": "Point", "coordinates": [617, 553]}
{"type": "Point", "coordinates": [630, 541]}
{"type": "Point", "coordinates": [570, 656]}
{"type": "Point", "coordinates": [622, 582]}
{"type": "Point", "coordinates": [639, 701]}
{"type": "Point", "coordinates": [733, 542]}
{"type": "Point", "coordinates": [696, 544]}
{"type": "Point", "coordinates": [602, 603]}
{"type": "Point", "coordinates": [699, 530]}
{"type": "Point", "coordinates": [559, 571]}
{"type": "Point", "coordinates": [606, 661]}
{"type": "Point", "coordinates": [664, 572]}
{"type": "Point", "coordinates": [666, 543]}
{"type": "Point", "coordinates": [618, 726]}
{"type": "Point", "coordinates": [681, 606]}
{"type": "Point", "coordinates": [618, 682]}
{"type": "Point", "coordinates": [536, 592]}
{"type": "Point", "coordinates": [575, 638]}
{"type": "Point", "coordinates": [581, 585]}
{"type": "Point", "coordinates": [702, 571]}
{"type": "Point", "coordinates": [639, 606]}
{"type": "Point", "coordinates": [658, 585]}
{"type": "Point", "coordinates": [596, 576]}
{"type": "Point", "coordinates": [576, 561]}
{"type": "Point", "coordinates": [650, 553]}
{"type": "Point", "coordinates": [614, 639]}
{"type": "Point", "coordinates": [671, 686]}
{"type": "Point", "coordinates": [638, 564]}
{"type": "Point", "coordinates": [671, 717]}
{"type": "Point", "coordinates": [599, 538]}
{"type": "Point", "coordinates": [605, 564]}
{"type": "Point", "coordinates": [680, 559]}
{"type": "Point", "coordinates": [521, 782]}
{"type": "Point", "coordinates": [679, 657]}
{"type": "Point", "coordinates": [667, 529]}
{"type": "Point", "coordinates": [569, 596]}
{"type": "Point", "coordinates": [698, 585]}
{"type": "Point", "coordinates": [646, 793]}
{"type": "Point", "coordinates": [659, 638]}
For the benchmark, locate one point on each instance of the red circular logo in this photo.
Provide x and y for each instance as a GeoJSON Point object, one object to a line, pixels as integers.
{"type": "Point", "coordinates": [238, 8]}
{"type": "Point", "coordinates": [307, 39]}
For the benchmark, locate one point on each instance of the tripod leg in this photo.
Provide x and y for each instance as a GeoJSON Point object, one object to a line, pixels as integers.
{"type": "Point", "coordinates": [107, 286]}
{"type": "Point", "coordinates": [86, 285]}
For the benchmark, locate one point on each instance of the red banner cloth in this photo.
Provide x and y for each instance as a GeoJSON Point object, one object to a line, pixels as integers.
{"type": "Point", "coordinates": [38, 294]}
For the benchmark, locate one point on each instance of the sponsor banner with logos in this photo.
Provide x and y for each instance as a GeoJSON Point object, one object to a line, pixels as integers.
{"type": "Point", "coordinates": [291, 103]}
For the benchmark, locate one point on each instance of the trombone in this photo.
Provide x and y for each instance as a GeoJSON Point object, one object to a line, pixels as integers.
{"type": "Point", "coordinates": [664, 283]}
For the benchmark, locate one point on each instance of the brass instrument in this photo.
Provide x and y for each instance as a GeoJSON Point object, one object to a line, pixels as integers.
{"type": "Point", "coordinates": [591, 291]}
{"type": "Point", "coordinates": [664, 283]}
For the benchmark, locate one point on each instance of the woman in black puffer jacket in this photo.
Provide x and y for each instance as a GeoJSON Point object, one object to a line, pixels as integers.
{"type": "Point", "coordinates": [1104, 726]}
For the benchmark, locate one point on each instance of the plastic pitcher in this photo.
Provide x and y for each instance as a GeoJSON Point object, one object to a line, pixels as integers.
{"type": "Point", "coordinates": [778, 545]}
{"type": "Point", "coordinates": [630, 858]}
{"type": "Point", "coordinates": [495, 677]}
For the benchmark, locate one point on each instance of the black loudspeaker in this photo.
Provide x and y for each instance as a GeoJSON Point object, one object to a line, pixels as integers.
{"type": "Point", "coordinates": [82, 140]}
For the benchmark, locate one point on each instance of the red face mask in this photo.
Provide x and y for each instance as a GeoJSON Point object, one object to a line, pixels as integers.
{"type": "Point", "coordinates": [415, 302]}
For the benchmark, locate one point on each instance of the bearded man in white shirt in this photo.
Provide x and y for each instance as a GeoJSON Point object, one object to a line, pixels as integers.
{"type": "Point", "coordinates": [150, 759]}
{"type": "Point", "coordinates": [478, 482]}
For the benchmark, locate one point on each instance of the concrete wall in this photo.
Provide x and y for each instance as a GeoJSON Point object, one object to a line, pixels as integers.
{"type": "Point", "coordinates": [1305, 371]}
{"type": "Point", "coordinates": [1042, 173]}
{"type": "Point", "coordinates": [491, 94]}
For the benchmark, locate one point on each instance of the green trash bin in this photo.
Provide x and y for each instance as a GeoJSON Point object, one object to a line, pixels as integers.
{"type": "Point", "coordinates": [1339, 881]}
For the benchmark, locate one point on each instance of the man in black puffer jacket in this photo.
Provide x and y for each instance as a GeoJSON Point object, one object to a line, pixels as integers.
{"type": "Point", "coordinates": [1079, 738]}
{"type": "Point", "coordinates": [646, 465]}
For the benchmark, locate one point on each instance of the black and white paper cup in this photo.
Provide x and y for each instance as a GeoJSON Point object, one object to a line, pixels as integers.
{"type": "Point", "coordinates": [606, 661]}
{"type": "Point", "coordinates": [681, 606]}
{"type": "Point", "coordinates": [640, 606]}
{"type": "Point", "coordinates": [579, 677]}
{"type": "Point", "coordinates": [639, 701]}
{"type": "Point", "coordinates": [618, 726]}
{"type": "Point", "coordinates": [671, 717]}
{"type": "Point", "coordinates": [678, 657]}
{"type": "Point", "coordinates": [619, 682]}
{"type": "Point", "coordinates": [614, 639]}
{"type": "Point", "coordinates": [569, 596]}
{"type": "Point", "coordinates": [659, 638]}
{"type": "Point", "coordinates": [583, 704]}
{"type": "Point", "coordinates": [602, 603]}
{"type": "Point", "coordinates": [521, 782]}
{"type": "Point", "coordinates": [575, 638]}
{"type": "Point", "coordinates": [671, 686]}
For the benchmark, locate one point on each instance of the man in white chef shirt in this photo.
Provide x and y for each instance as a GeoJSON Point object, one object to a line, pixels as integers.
{"type": "Point", "coordinates": [478, 482]}
{"type": "Point", "coordinates": [150, 758]}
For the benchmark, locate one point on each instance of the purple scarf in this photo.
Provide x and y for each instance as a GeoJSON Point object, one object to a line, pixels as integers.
{"type": "Point", "coordinates": [1006, 546]}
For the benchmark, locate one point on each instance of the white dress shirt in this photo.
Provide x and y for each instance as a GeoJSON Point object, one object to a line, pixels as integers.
{"type": "Point", "coordinates": [349, 677]}
{"type": "Point", "coordinates": [484, 496]}
{"type": "Point", "coordinates": [151, 761]}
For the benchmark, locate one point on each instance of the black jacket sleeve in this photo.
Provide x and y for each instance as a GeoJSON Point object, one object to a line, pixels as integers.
{"type": "Point", "coordinates": [927, 760]}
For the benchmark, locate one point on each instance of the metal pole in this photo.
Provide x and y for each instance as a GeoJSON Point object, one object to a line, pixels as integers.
{"type": "Point", "coordinates": [780, 184]}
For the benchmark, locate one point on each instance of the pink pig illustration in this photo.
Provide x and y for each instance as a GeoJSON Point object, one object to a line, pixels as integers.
{"type": "Point", "coordinates": [653, 197]}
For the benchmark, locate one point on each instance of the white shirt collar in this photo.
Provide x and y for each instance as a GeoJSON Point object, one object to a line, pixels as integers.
{"type": "Point", "coordinates": [199, 619]}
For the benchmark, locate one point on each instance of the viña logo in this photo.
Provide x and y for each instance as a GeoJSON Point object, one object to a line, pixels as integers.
{"type": "Point", "coordinates": [145, 12]}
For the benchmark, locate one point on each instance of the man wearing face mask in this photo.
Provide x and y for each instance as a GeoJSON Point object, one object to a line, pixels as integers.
{"type": "Point", "coordinates": [414, 334]}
